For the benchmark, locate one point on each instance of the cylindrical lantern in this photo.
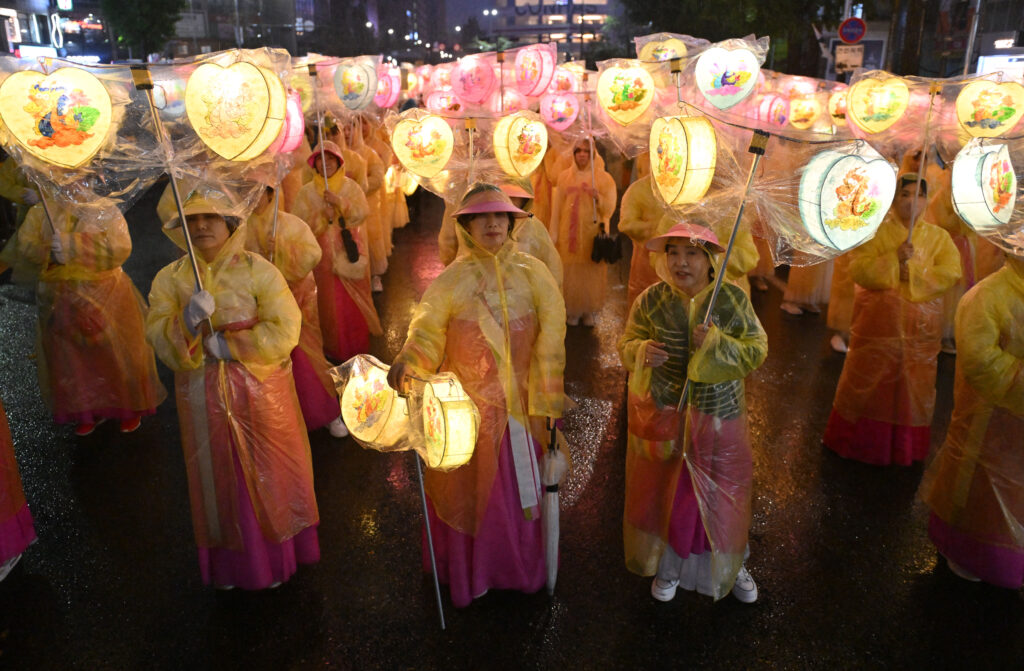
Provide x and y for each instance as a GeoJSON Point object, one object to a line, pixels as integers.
{"type": "Point", "coordinates": [389, 87]}
{"type": "Point", "coordinates": [773, 110]}
{"type": "Point", "coordinates": [990, 109]}
{"type": "Point", "coordinates": [984, 186]}
{"type": "Point", "coordinates": [837, 107]}
{"type": "Point", "coordinates": [683, 151]}
{"type": "Point", "coordinates": [422, 142]}
{"type": "Point", "coordinates": [559, 110]}
{"type": "Point", "coordinates": [875, 104]}
{"type": "Point", "coordinates": [451, 423]}
{"type": "Point", "coordinates": [535, 65]}
{"type": "Point", "coordinates": [374, 413]}
{"type": "Point", "coordinates": [520, 141]}
{"type": "Point", "coordinates": [845, 194]}
{"type": "Point", "coordinates": [294, 126]}
{"type": "Point", "coordinates": [663, 50]}
{"type": "Point", "coordinates": [473, 79]}
{"type": "Point", "coordinates": [725, 77]}
{"type": "Point", "coordinates": [625, 93]}
{"type": "Point", "coordinates": [356, 83]}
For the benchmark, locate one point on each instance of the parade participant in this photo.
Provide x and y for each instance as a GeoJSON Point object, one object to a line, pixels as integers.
{"type": "Point", "coordinates": [16, 529]}
{"type": "Point", "coordinates": [975, 484]}
{"type": "Point", "coordinates": [290, 245]}
{"type": "Point", "coordinates": [840, 303]}
{"type": "Point", "coordinates": [530, 235]}
{"type": "Point", "coordinates": [687, 511]}
{"type": "Point", "coordinates": [941, 212]}
{"type": "Point", "coordinates": [744, 256]}
{"type": "Point", "coordinates": [494, 318]}
{"type": "Point", "coordinates": [639, 215]}
{"type": "Point", "coordinates": [22, 194]}
{"type": "Point", "coordinates": [347, 313]}
{"type": "Point", "coordinates": [883, 407]}
{"type": "Point", "coordinates": [556, 159]}
{"type": "Point", "coordinates": [93, 360]}
{"type": "Point", "coordinates": [247, 456]}
{"type": "Point", "coordinates": [574, 224]}
{"type": "Point", "coordinates": [807, 288]}
{"type": "Point", "coordinates": [378, 240]}
{"type": "Point", "coordinates": [355, 165]}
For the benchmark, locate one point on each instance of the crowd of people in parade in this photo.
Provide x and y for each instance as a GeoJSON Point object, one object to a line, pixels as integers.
{"type": "Point", "coordinates": [288, 293]}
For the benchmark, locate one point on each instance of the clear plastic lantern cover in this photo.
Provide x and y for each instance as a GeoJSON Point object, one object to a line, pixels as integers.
{"type": "Point", "coordinates": [508, 101]}
{"type": "Point", "coordinates": [445, 102]}
{"type": "Point", "coordinates": [520, 141]}
{"type": "Point", "coordinates": [845, 194]}
{"type": "Point", "coordinates": [625, 90]}
{"type": "Point", "coordinates": [422, 142]}
{"type": "Point", "coordinates": [805, 111]}
{"type": "Point", "coordinates": [727, 72]}
{"type": "Point", "coordinates": [355, 81]}
{"type": "Point", "coordinates": [451, 423]}
{"type": "Point", "coordinates": [683, 154]}
{"type": "Point", "coordinates": [473, 79]}
{"type": "Point", "coordinates": [837, 107]}
{"type": "Point", "coordinates": [534, 68]}
{"type": "Point", "coordinates": [294, 126]}
{"type": "Point", "coordinates": [666, 46]}
{"type": "Point", "coordinates": [376, 416]}
{"type": "Point", "coordinates": [984, 185]}
{"type": "Point", "coordinates": [989, 108]}
{"type": "Point", "coordinates": [564, 80]}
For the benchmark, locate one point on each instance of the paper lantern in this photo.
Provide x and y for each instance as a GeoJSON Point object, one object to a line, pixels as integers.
{"type": "Point", "coordinates": [374, 413]}
{"type": "Point", "coordinates": [845, 195]}
{"type": "Point", "coordinates": [444, 102]}
{"type": "Point", "coordinates": [683, 151]}
{"type": "Point", "coordinates": [725, 77]}
{"type": "Point", "coordinates": [514, 101]}
{"type": "Point", "coordinates": [520, 141]}
{"type": "Point", "coordinates": [294, 127]}
{"type": "Point", "coordinates": [62, 118]}
{"type": "Point", "coordinates": [389, 87]}
{"type": "Point", "coordinates": [563, 81]}
{"type": "Point", "coordinates": [451, 423]}
{"type": "Point", "coordinates": [356, 84]}
{"type": "Point", "coordinates": [837, 107]}
{"type": "Point", "coordinates": [237, 111]}
{"type": "Point", "coordinates": [803, 112]}
{"type": "Point", "coordinates": [169, 97]}
{"type": "Point", "coordinates": [625, 93]}
{"type": "Point", "coordinates": [663, 50]}
{"type": "Point", "coordinates": [441, 75]}
{"type": "Point", "coordinates": [990, 109]}
{"type": "Point", "coordinates": [984, 186]}
{"type": "Point", "coordinates": [535, 66]}
{"type": "Point", "coordinates": [559, 110]}
{"type": "Point", "coordinates": [875, 104]}
{"type": "Point", "coordinates": [423, 143]}
{"type": "Point", "coordinates": [773, 110]}
{"type": "Point", "coordinates": [473, 79]}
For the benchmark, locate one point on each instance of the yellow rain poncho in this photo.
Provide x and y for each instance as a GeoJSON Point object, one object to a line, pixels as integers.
{"type": "Point", "coordinates": [15, 187]}
{"type": "Point", "coordinates": [883, 406]}
{"type": "Point", "coordinates": [94, 361]}
{"type": "Point", "coordinates": [584, 282]}
{"type": "Point", "coordinates": [240, 411]}
{"type": "Point", "coordinates": [543, 179]}
{"type": "Point", "coordinates": [975, 485]}
{"type": "Point", "coordinates": [715, 457]}
{"type": "Point", "coordinates": [639, 215]}
{"type": "Point", "coordinates": [377, 228]}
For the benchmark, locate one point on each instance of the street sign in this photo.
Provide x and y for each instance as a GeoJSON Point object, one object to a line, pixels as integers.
{"type": "Point", "coordinates": [852, 30]}
{"type": "Point", "coordinates": [849, 57]}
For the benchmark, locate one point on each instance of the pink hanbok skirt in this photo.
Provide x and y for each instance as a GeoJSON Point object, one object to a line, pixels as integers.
{"type": "Point", "coordinates": [995, 564]}
{"type": "Point", "coordinates": [16, 534]}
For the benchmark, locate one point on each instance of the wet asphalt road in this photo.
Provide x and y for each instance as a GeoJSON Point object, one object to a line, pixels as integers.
{"type": "Point", "coordinates": [847, 576]}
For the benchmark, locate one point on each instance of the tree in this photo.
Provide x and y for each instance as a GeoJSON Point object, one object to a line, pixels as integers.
{"type": "Point", "coordinates": [144, 26]}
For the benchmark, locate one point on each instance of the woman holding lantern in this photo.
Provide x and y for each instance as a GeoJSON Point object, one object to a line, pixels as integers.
{"type": "Point", "coordinates": [584, 198]}
{"type": "Point", "coordinates": [94, 363]}
{"type": "Point", "coordinates": [247, 456]}
{"type": "Point", "coordinates": [495, 319]}
{"type": "Point", "coordinates": [882, 413]}
{"type": "Point", "coordinates": [688, 477]}
{"type": "Point", "coordinates": [335, 210]}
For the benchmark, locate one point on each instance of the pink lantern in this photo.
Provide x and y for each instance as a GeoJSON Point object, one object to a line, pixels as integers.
{"type": "Point", "coordinates": [445, 103]}
{"type": "Point", "coordinates": [535, 66]}
{"type": "Point", "coordinates": [564, 81]}
{"type": "Point", "coordinates": [773, 110]}
{"type": "Point", "coordinates": [294, 126]}
{"type": "Point", "coordinates": [473, 79]}
{"type": "Point", "coordinates": [514, 101]}
{"type": "Point", "coordinates": [559, 110]}
{"type": "Point", "coordinates": [389, 86]}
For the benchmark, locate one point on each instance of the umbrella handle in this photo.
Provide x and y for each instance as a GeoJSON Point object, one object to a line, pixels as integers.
{"type": "Point", "coordinates": [552, 428]}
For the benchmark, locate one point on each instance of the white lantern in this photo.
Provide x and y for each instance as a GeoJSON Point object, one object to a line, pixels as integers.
{"type": "Point", "coordinates": [451, 423]}
{"type": "Point", "coordinates": [376, 416]}
{"type": "Point", "coordinates": [984, 185]}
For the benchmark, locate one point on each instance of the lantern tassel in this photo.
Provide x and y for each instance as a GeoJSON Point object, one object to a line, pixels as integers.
{"type": "Point", "coordinates": [757, 147]}
{"type": "Point", "coordinates": [430, 542]}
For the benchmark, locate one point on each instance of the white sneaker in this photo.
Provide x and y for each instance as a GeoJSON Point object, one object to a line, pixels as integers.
{"type": "Point", "coordinates": [745, 589]}
{"type": "Point", "coordinates": [337, 427]}
{"type": "Point", "coordinates": [376, 285]}
{"type": "Point", "coordinates": [791, 308]}
{"type": "Point", "coordinates": [664, 590]}
{"type": "Point", "coordinates": [838, 344]}
{"type": "Point", "coordinates": [8, 566]}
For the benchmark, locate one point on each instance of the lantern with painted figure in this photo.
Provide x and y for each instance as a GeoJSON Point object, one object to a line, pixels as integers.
{"type": "Point", "coordinates": [520, 141]}
{"type": "Point", "coordinates": [534, 66]}
{"type": "Point", "coordinates": [875, 103]}
{"type": "Point", "coordinates": [294, 126]}
{"type": "Point", "coordinates": [508, 101]}
{"type": "Point", "coordinates": [376, 416]}
{"type": "Point", "coordinates": [683, 154]}
{"type": "Point", "coordinates": [984, 185]}
{"type": "Point", "coordinates": [990, 109]}
{"type": "Point", "coordinates": [726, 76]}
{"type": "Point", "coordinates": [837, 107]}
{"type": "Point", "coordinates": [389, 87]}
{"type": "Point", "coordinates": [451, 423]}
{"type": "Point", "coordinates": [559, 110]}
{"type": "Point", "coordinates": [355, 83]}
{"type": "Point", "coordinates": [774, 110]}
{"type": "Point", "coordinates": [625, 91]}
{"type": "Point", "coordinates": [473, 79]}
{"type": "Point", "coordinates": [422, 142]}
{"type": "Point", "coordinates": [804, 111]}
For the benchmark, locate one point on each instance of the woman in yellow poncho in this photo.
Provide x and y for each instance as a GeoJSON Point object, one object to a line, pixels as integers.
{"type": "Point", "coordinates": [247, 456]}
{"type": "Point", "coordinates": [882, 413]}
{"type": "Point", "coordinates": [975, 485]}
{"type": "Point", "coordinates": [494, 317]}
{"type": "Point", "coordinates": [577, 190]}
{"type": "Point", "coordinates": [94, 363]}
{"type": "Point", "coordinates": [378, 231]}
{"type": "Point", "coordinates": [687, 510]}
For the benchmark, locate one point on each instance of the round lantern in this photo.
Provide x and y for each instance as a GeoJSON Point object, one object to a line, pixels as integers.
{"type": "Point", "coordinates": [773, 110]}
{"type": "Point", "coordinates": [563, 81]}
{"type": "Point", "coordinates": [845, 194]}
{"type": "Point", "coordinates": [441, 75]}
{"type": "Point", "coordinates": [62, 118]}
{"type": "Point", "coordinates": [444, 102]}
{"type": "Point", "coordinates": [725, 77]}
{"type": "Point", "coordinates": [837, 107]}
{"type": "Point", "coordinates": [237, 111]}
{"type": "Point", "coordinates": [508, 101]}
{"type": "Point", "coordinates": [451, 423]}
{"type": "Point", "coordinates": [804, 112]}
{"type": "Point", "coordinates": [625, 93]}
{"type": "Point", "coordinates": [473, 79]}
{"type": "Point", "coordinates": [535, 66]}
{"type": "Point", "coordinates": [984, 186]}
{"type": "Point", "coordinates": [520, 141]}
{"type": "Point", "coordinates": [169, 97]}
{"type": "Point", "coordinates": [423, 143]}
{"type": "Point", "coordinates": [374, 413]}
{"type": "Point", "coordinates": [356, 84]}
{"type": "Point", "coordinates": [389, 87]}
{"type": "Point", "coordinates": [663, 50]}
{"type": "Point", "coordinates": [876, 104]}
{"type": "Point", "coordinates": [683, 151]}
{"type": "Point", "coordinates": [294, 127]}
{"type": "Point", "coordinates": [990, 109]}
{"type": "Point", "coordinates": [559, 110]}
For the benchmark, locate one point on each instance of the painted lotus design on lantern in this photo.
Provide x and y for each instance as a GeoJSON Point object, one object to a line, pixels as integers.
{"type": "Point", "coordinates": [1002, 183]}
{"type": "Point", "coordinates": [64, 115]}
{"type": "Point", "coordinates": [857, 201]}
{"type": "Point", "coordinates": [991, 108]}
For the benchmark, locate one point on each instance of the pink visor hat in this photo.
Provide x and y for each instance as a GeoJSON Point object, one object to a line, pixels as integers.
{"type": "Point", "coordinates": [487, 198]}
{"type": "Point", "coordinates": [698, 235]}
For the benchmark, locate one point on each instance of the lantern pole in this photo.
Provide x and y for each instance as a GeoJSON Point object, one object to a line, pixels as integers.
{"type": "Point", "coordinates": [273, 230]}
{"type": "Point", "coordinates": [46, 208]}
{"type": "Point", "coordinates": [677, 79]}
{"type": "Point", "coordinates": [501, 81]}
{"type": "Point", "coordinates": [932, 92]}
{"type": "Point", "coordinates": [430, 540]}
{"type": "Point", "coordinates": [757, 147]}
{"type": "Point", "coordinates": [590, 138]}
{"type": "Point", "coordinates": [470, 130]}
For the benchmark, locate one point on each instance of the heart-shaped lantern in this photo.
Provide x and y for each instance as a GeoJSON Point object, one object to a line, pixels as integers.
{"type": "Point", "coordinates": [662, 50]}
{"type": "Point", "coordinates": [725, 77]}
{"type": "Point", "coordinates": [237, 111]}
{"type": "Point", "coordinates": [356, 84]}
{"type": "Point", "coordinates": [520, 141]}
{"type": "Point", "coordinates": [837, 107]}
{"type": "Point", "coordinates": [625, 93]}
{"type": "Point", "coordinates": [473, 79]}
{"type": "Point", "coordinates": [62, 118]}
{"type": "Point", "coordinates": [845, 194]}
{"type": "Point", "coordinates": [990, 109]}
{"type": "Point", "coordinates": [423, 143]}
{"type": "Point", "coordinates": [984, 186]}
{"type": "Point", "coordinates": [389, 87]}
{"type": "Point", "coordinates": [683, 151]}
{"type": "Point", "coordinates": [875, 104]}
{"type": "Point", "coordinates": [804, 112]}
{"type": "Point", "coordinates": [535, 66]}
{"type": "Point", "coordinates": [559, 110]}
{"type": "Point", "coordinates": [508, 101]}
